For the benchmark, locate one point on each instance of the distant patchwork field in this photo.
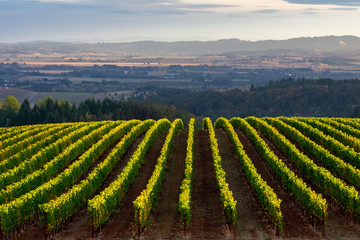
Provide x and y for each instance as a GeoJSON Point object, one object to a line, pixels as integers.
{"type": "Point", "coordinates": [33, 97]}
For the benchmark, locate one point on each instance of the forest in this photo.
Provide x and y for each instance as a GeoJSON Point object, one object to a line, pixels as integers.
{"type": "Point", "coordinates": [52, 111]}
{"type": "Point", "coordinates": [287, 97]}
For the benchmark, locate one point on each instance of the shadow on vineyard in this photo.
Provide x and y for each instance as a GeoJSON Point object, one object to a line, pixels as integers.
{"type": "Point", "coordinates": [252, 178]}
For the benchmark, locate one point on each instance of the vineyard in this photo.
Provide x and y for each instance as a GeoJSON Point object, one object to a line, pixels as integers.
{"type": "Point", "coordinates": [230, 179]}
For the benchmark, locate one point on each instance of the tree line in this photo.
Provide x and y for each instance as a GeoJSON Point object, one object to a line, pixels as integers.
{"type": "Point", "coordinates": [48, 110]}
{"type": "Point", "coordinates": [287, 97]}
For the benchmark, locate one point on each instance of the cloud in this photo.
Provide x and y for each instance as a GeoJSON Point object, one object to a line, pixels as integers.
{"type": "Point", "coordinates": [126, 7]}
{"type": "Point", "coordinates": [123, 11]}
{"type": "Point", "coordinates": [310, 13]}
{"type": "Point", "coordinates": [165, 7]}
{"type": "Point", "coordinates": [129, 3]}
{"type": "Point", "coordinates": [168, 12]}
{"type": "Point", "coordinates": [327, 2]}
{"type": "Point", "coordinates": [35, 6]}
{"type": "Point", "coordinates": [234, 15]}
{"type": "Point", "coordinates": [266, 11]}
{"type": "Point", "coordinates": [344, 9]}
{"type": "Point", "coordinates": [206, 6]}
{"type": "Point", "coordinates": [59, 1]}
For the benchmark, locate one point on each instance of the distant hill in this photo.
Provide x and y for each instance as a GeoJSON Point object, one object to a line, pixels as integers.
{"type": "Point", "coordinates": [147, 48]}
{"type": "Point", "coordinates": [287, 97]}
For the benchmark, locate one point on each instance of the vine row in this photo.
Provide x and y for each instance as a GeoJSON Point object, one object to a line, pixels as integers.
{"type": "Point", "coordinates": [147, 199]}
{"type": "Point", "coordinates": [266, 196]}
{"type": "Point", "coordinates": [336, 165]}
{"type": "Point", "coordinates": [106, 203]}
{"type": "Point", "coordinates": [226, 195]}
{"type": "Point", "coordinates": [329, 185]}
{"type": "Point", "coordinates": [186, 185]}
{"type": "Point", "coordinates": [312, 202]}
{"type": "Point", "coordinates": [26, 207]}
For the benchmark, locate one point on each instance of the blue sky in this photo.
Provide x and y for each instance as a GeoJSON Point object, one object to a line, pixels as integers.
{"type": "Point", "coordinates": [170, 20]}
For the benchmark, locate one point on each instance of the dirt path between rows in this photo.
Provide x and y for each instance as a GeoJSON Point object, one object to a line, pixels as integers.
{"type": "Point", "coordinates": [315, 160]}
{"type": "Point", "coordinates": [122, 225]}
{"type": "Point", "coordinates": [251, 223]}
{"type": "Point", "coordinates": [165, 220]}
{"type": "Point", "coordinates": [36, 230]}
{"type": "Point", "coordinates": [295, 224]}
{"type": "Point", "coordinates": [337, 227]}
{"type": "Point", "coordinates": [80, 228]}
{"type": "Point", "coordinates": [208, 218]}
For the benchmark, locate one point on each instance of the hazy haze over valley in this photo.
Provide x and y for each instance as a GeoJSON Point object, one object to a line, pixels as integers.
{"type": "Point", "coordinates": [340, 44]}
{"type": "Point", "coordinates": [171, 20]}
{"type": "Point", "coordinates": [76, 49]}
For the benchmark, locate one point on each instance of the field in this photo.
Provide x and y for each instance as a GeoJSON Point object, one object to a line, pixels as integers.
{"type": "Point", "coordinates": [252, 178]}
{"type": "Point", "coordinates": [77, 80]}
{"type": "Point", "coordinates": [143, 63]}
{"type": "Point", "coordinates": [72, 97]}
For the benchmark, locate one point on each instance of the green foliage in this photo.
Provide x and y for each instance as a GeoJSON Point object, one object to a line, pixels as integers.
{"type": "Point", "coordinates": [226, 196]}
{"type": "Point", "coordinates": [107, 201]}
{"type": "Point", "coordinates": [323, 157]}
{"type": "Point", "coordinates": [284, 98]}
{"type": "Point", "coordinates": [346, 135]}
{"type": "Point", "coordinates": [15, 139]}
{"type": "Point", "coordinates": [327, 184]}
{"type": "Point", "coordinates": [53, 167]}
{"type": "Point", "coordinates": [350, 131]}
{"type": "Point", "coordinates": [10, 132]}
{"type": "Point", "coordinates": [27, 205]}
{"type": "Point", "coordinates": [41, 167]}
{"type": "Point", "coordinates": [25, 140]}
{"type": "Point", "coordinates": [342, 143]}
{"type": "Point", "coordinates": [45, 155]}
{"type": "Point", "coordinates": [63, 207]}
{"type": "Point", "coordinates": [186, 185]}
{"type": "Point", "coordinates": [10, 104]}
{"type": "Point", "coordinates": [265, 194]}
{"type": "Point", "coordinates": [349, 121]}
{"type": "Point", "coordinates": [48, 110]}
{"type": "Point", "coordinates": [312, 202]}
{"type": "Point", "coordinates": [147, 199]}
{"type": "Point", "coordinates": [33, 149]}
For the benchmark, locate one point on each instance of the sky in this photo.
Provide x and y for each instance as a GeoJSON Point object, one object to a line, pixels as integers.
{"type": "Point", "coordinates": [174, 20]}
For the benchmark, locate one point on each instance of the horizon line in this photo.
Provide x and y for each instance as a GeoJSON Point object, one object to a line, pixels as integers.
{"type": "Point", "coordinates": [145, 39]}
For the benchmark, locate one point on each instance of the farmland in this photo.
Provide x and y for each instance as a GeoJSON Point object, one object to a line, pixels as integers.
{"type": "Point", "coordinates": [251, 178]}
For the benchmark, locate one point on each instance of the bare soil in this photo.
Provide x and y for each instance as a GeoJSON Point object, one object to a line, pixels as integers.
{"type": "Point", "coordinates": [122, 225]}
{"type": "Point", "coordinates": [39, 229]}
{"type": "Point", "coordinates": [337, 226]}
{"type": "Point", "coordinates": [295, 224]}
{"type": "Point", "coordinates": [165, 220]}
{"type": "Point", "coordinates": [208, 218]}
{"type": "Point", "coordinates": [250, 223]}
{"type": "Point", "coordinates": [80, 228]}
{"type": "Point", "coordinates": [316, 161]}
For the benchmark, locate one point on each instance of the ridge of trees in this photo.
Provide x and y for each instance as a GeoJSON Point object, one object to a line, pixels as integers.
{"type": "Point", "coordinates": [287, 97]}
{"type": "Point", "coordinates": [48, 110]}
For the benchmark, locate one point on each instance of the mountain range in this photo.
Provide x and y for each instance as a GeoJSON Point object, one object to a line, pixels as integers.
{"type": "Point", "coordinates": [346, 44]}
